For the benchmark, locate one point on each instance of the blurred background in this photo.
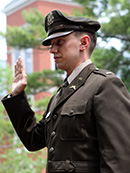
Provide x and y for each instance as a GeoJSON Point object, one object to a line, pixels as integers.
{"type": "Point", "coordinates": [21, 34]}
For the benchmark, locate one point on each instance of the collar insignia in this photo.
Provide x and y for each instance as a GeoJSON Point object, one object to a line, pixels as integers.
{"type": "Point", "coordinates": [73, 87]}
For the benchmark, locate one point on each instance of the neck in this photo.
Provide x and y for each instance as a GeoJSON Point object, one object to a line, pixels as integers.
{"type": "Point", "coordinates": [86, 61]}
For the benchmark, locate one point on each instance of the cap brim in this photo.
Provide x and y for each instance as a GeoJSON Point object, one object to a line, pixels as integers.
{"type": "Point", "coordinates": [47, 41]}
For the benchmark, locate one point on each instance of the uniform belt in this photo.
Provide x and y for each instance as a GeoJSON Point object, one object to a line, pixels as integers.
{"type": "Point", "coordinates": [72, 166]}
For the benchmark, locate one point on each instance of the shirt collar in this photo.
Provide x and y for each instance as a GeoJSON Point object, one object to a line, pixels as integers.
{"type": "Point", "coordinates": [78, 69]}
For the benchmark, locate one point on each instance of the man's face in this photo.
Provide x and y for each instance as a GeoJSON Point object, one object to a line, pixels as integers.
{"type": "Point", "coordinates": [66, 51]}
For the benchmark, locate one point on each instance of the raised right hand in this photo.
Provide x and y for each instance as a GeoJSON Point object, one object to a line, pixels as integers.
{"type": "Point", "coordinates": [20, 78]}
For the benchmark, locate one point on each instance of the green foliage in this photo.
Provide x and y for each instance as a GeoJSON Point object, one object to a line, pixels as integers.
{"type": "Point", "coordinates": [114, 18]}
{"type": "Point", "coordinates": [18, 160]}
{"type": "Point", "coordinates": [125, 76]}
{"type": "Point", "coordinates": [105, 58]}
{"type": "Point", "coordinates": [29, 35]}
{"type": "Point", "coordinates": [6, 78]}
{"type": "Point", "coordinates": [43, 81]}
{"type": "Point", "coordinates": [20, 37]}
{"type": "Point", "coordinates": [42, 104]}
{"type": "Point", "coordinates": [93, 8]}
{"type": "Point", "coordinates": [6, 129]}
{"type": "Point", "coordinates": [11, 160]}
{"type": "Point", "coordinates": [13, 156]}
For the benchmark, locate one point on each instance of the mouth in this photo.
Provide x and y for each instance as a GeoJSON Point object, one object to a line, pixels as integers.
{"type": "Point", "coordinates": [57, 59]}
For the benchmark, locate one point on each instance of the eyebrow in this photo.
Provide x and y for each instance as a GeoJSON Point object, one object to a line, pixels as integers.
{"type": "Point", "coordinates": [57, 40]}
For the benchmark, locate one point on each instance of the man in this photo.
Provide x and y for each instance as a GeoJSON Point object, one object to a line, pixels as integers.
{"type": "Point", "coordinates": [86, 126]}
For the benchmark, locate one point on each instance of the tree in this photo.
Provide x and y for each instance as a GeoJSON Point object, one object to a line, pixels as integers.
{"type": "Point", "coordinates": [114, 17]}
{"type": "Point", "coordinates": [93, 8]}
{"type": "Point", "coordinates": [29, 35]}
{"type": "Point", "coordinates": [6, 78]}
{"type": "Point", "coordinates": [13, 156]}
{"type": "Point", "coordinates": [43, 81]}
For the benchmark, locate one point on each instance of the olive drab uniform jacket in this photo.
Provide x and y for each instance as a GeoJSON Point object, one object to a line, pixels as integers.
{"type": "Point", "coordinates": [86, 131]}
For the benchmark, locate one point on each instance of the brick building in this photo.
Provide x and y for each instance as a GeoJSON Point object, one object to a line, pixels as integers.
{"type": "Point", "coordinates": [34, 59]}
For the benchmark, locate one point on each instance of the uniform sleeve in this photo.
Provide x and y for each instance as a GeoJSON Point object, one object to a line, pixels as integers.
{"type": "Point", "coordinates": [23, 119]}
{"type": "Point", "coordinates": [112, 112]}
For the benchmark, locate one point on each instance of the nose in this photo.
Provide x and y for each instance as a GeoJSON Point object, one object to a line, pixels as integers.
{"type": "Point", "coordinates": [53, 49]}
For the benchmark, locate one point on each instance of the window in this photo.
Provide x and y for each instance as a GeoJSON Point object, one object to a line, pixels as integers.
{"type": "Point", "coordinates": [26, 54]}
{"type": "Point", "coordinates": [28, 61]}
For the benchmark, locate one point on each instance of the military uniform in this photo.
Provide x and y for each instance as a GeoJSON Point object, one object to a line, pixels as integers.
{"type": "Point", "coordinates": [88, 129]}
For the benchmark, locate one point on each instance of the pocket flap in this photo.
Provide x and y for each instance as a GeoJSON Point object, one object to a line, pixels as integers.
{"type": "Point", "coordinates": [74, 109]}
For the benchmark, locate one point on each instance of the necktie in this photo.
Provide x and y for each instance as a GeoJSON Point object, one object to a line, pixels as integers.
{"type": "Point", "coordinates": [60, 91]}
{"type": "Point", "coordinates": [62, 88]}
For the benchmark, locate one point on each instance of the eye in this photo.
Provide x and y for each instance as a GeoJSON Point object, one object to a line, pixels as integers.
{"type": "Point", "coordinates": [59, 42]}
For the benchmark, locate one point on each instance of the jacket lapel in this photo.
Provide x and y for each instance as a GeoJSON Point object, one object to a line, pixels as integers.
{"type": "Point", "coordinates": [76, 83]}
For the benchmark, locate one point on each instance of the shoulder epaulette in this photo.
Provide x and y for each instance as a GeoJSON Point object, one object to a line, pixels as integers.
{"type": "Point", "coordinates": [103, 72]}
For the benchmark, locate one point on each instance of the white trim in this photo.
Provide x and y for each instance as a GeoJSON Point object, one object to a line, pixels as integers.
{"type": "Point", "coordinates": [65, 2]}
{"type": "Point", "coordinates": [19, 4]}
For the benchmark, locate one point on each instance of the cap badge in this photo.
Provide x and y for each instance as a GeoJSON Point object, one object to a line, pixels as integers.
{"type": "Point", "coordinates": [50, 19]}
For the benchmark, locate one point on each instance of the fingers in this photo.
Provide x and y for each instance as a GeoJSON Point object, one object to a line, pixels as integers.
{"type": "Point", "coordinates": [20, 79]}
{"type": "Point", "coordinates": [19, 67]}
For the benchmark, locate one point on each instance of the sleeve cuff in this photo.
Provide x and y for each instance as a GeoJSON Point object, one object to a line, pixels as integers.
{"type": "Point", "coordinates": [9, 96]}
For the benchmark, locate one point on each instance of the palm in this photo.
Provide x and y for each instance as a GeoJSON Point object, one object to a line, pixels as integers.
{"type": "Point", "coordinates": [20, 79]}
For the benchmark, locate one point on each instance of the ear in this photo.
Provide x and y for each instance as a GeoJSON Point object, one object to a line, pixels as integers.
{"type": "Point", "coordinates": [85, 40]}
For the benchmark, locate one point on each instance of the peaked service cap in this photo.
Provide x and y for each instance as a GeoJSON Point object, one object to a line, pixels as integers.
{"type": "Point", "coordinates": [57, 25]}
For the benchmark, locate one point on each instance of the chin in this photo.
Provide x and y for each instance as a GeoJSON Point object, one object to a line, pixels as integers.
{"type": "Point", "coordinates": [60, 66]}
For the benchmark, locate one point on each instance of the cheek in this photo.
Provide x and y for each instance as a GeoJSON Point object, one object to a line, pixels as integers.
{"type": "Point", "coordinates": [72, 48]}
{"type": "Point", "coordinates": [70, 51]}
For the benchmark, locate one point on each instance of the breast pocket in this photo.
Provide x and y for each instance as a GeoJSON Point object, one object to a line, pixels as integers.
{"type": "Point", "coordinates": [73, 121]}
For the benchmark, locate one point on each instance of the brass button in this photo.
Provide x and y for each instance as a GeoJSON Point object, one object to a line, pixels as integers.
{"type": "Point", "coordinates": [71, 111]}
{"type": "Point", "coordinates": [55, 117]}
{"type": "Point", "coordinates": [53, 134]}
{"type": "Point", "coordinates": [51, 150]}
